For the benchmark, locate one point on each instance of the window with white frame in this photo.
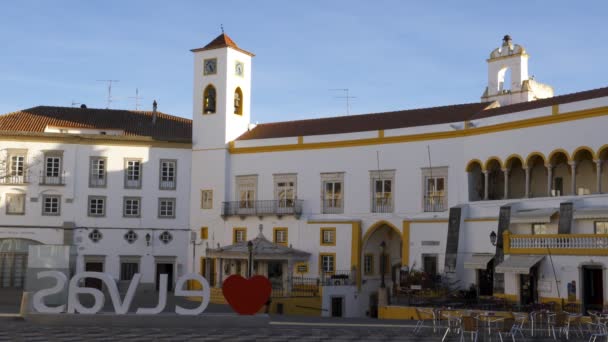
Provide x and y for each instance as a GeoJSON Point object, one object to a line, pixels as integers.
{"type": "Point", "coordinates": [206, 199]}
{"type": "Point", "coordinates": [52, 168]}
{"type": "Point", "coordinates": [239, 235]}
{"type": "Point", "coordinates": [165, 237]}
{"type": "Point", "coordinates": [280, 236]}
{"type": "Point", "coordinates": [97, 172]}
{"type": "Point", "coordinates": [15, 172]}
{"type": "Point", "coordinates": [368, 264]}
{"type": "Point", "coordinates": [168, 169]}
{"type": "Point", "coordinates": [539, 228]}
{"type": "Point", "coordinates": [382, 190]}
{"type": "Point", "coordinates": [51, 205]}
{"type": "Point", "coordinates": [131, 236]}
{"type": "Point", "coordinates": [601, 227]}
{"type": "Point", "coordinates": [434, 187]}
{"type": "Point", "coordinates": [132, 207]}
{"type": "Point", "coordinates": [97, 206]}
{"type": "Point", "coordinates": [332, 185]}
{"type": "Point", "coordinates": [328, 263]}
{"type": "Point", "coordinates": [133, 173]}
{"type": "Point", "coordinates": [15, 204]}
{"type": "Point", "coordinates": [285, 190]}
{"type": "Point", "coordinates": [166, 207]}
{"type": "Point", "coordinates": [246, 188]}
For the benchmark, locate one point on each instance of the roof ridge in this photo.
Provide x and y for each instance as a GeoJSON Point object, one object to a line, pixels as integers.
{"type": "Point", "coordinates": [100, 109]}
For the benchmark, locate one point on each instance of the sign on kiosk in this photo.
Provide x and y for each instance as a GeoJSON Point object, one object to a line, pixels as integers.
{"type": "Point", "coordinates": [120, 307]}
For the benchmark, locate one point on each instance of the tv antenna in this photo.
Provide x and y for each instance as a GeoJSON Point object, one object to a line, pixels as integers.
{"type": "Point", "coordinates": [137, 98]}
{"type": "Point", "coordinates": [346, 96]}
{"type": "Point", "coordinates": [74, 103]}
{"type": "Point", "coordinates": [109, 100]}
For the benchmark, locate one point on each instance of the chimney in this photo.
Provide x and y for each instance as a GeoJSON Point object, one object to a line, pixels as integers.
{"type": "Point", "coordinates": [83, 106]}
{"type": "Point", "coordinates": [154, 106]}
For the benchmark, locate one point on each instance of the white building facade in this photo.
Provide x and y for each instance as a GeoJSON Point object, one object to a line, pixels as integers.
{"type": "Point", "coordinates": [408, 190]}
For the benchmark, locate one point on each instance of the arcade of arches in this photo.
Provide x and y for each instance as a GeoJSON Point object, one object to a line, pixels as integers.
{"type": "Point", "coordinates": [581, 172]}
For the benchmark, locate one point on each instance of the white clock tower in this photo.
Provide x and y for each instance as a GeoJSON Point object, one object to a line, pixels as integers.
{"type": "Point", "coordinates": [221, 113]}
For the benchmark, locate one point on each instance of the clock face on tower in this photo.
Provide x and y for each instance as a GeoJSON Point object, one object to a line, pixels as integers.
{"type": "Point", "coordinates": [239, 68]}
{"type": "Point", "coordinates": [210, 66]}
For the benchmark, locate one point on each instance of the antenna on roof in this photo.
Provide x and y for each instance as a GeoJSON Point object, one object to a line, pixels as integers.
{"type": "Point", "coordinates": [109, 100]}
{"type": "Point", "coordinates": [222, 28]}
{"type": "Point", "coordinates": [74, 104]}
{"type": "Point", "coordinates": [137, 98]}
{"type": "Point", "coordinates": [346, 96]}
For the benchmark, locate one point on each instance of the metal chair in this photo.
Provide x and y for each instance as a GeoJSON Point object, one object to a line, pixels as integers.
{"type": "Point", "coordinates": [423, 316]}
{"type": "Point", "coordinates": [597, 330]}
{"type": "Point", "coordinates": [560, 321]}
{"type": "Point", "coordinates": [469, 324]}
{"type": "Point", "coordinates": [508, 328]}
{"type": "Point", "coordinates": [520, 321]}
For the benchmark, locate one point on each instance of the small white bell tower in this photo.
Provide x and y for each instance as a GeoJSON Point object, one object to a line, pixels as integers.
{"type": "Point", "coordinates": [508, 80]}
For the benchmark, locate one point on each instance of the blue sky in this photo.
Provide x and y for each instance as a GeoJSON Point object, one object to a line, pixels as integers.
{"type": "Point", "coordinates": [390, 54]}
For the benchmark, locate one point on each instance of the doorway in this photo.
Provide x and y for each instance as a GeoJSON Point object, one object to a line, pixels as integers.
{"type": "Point", "coordinates": [527, 286]}
{"type": "Point", "coordinates": [485, 280]}
{"type": "Point", "coordinates": [275, 274]}
{"type": "Point", "coordinates": [93, 282]}
{"type": "Point", "coordinates": [337, 304]}
{"type": "Point", "coordinates": [429, 264]}
{"type": "Point", "coordinates": [164, 269]}
{"type": "Point", "coordinates": [593, 288]}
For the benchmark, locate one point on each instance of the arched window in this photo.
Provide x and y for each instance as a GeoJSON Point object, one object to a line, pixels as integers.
{"type": "Point", "coordinates": [209, 100]}
{"type": "Point", "coordinates": [238, 101]}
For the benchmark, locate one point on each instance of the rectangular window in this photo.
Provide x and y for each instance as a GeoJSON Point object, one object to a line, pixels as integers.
{"type": "Point", "coordinates": [327, 262]}
{"type": "Point", "coordinates": [207, 199]}
{"type": "Point", "coordinates": [246, 188]}
{"type": "Point", "coordinates": [97, 172]}
{"type": "Point", "coordinates": [133, 173]}
{"type": "Point", "coordinates": [17, 165]}
{"type": "Point", "coordinates": [601, 227]}
{"type": "Point", "coordinates": [166, 207]}
{"type": "Point", "coordinates": [97, 206]}
{"type": "Point", "coordinates": [328, 236]}
{"type": "Point", "coordinates": [285, 190]}
{"type": "Point", "coordinates": [131, 207]}
{"type": "Point", "coordinates": [52, 168]}
{"type": "Point", "coordinates": [168, 169]}
{"type": "Point", "coordinates": [204, 233]}
{"type": "Point", "coordinates": [429, 264]}
{"type": "Point", "coordinates": [539, 228]}
{"type": "Point", "coordinates": [14, 172]}
{"type": "Point", "coordinates": [382, 191]}
{"type": "Point", "coordinates": [128, 270]}
{"type": "Point", "coordinates": [239, 235]}
{"type": "Point", "coordinates": [51, 205]}
{"type": "Point", "coordinates": [302, 268]}
{"type": "Point", "coordinates": [368, 264]}
{"type": "Point", "coordinates": [15, 204]}
{"type": "Point", "coordinates": [332, 185]}
{"type": "Point", "coordinates": [280, 236]}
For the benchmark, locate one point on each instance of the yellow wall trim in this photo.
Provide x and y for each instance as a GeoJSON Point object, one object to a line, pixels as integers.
{"type": "Point", "coordinates": [333, 222]}
{"type": "Point", "coordinates": [321, 233]}
{"type": "Point", "coordinates": [300, 140]}
{"type": "Point", "coordinates": [274, 235]}
{"type": "Point", "coordinates": [555, 109]}
{"type": "Point", "coordinates": [513, 125]}
{"type": "Point", "coordinates": [430, 221]}
{"type": "Point", "coordinates": [482, 219]}
{"type": "Point", "coordinates": [381, 133]}
{"type": "Point", "coordinates": [355, 252]}
{"type": "Point", "coordinates": [405, 244]}
{"type": "Point", "coordinates": [321, 255]}
{"type": "Point", "coordinates": [377, 225]}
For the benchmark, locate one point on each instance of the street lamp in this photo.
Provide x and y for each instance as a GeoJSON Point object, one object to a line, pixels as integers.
{"type": "Point", "coordinates": [382, 263]}
{"type": "Point", "coordinates": [148, 237]}
{"type": "Point", "coordinates": [493, 238]}
{"type": "Point", "coordinates": [250, 262]}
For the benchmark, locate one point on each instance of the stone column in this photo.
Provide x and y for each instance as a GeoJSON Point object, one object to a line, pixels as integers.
{"type": "Point", "coordinates": [485, 185]}
{"type": "Point", "coordinates": [598, 178]}
{"type": "Point", "coordinates": [289, 275]}
{"type": "Point", "coordinates": [527, 193]}
{"type": "Point", "coordinates": [505, 172]}
{"type": "Point", "coordinates": [573, 177]}
{"type": "Point", "coordinates": [549, 178]}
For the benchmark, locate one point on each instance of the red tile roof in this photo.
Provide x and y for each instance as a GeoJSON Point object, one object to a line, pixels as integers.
{"type": "Point", "coordinates": [134, 123]}
{"type": "Point", "coordinates": [222, 41]}
{"type": "Point", "coordinates": [406, 118]}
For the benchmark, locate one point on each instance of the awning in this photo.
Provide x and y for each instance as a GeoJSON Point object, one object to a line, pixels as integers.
{"type": "Point", "coordinates": [478, 261]}
{"type": "Point", "coordinates": [591, 213]}
{"type": "Point", "coordinates": [520, 264]}
{"type": "Point", "coordinates": [533, 215]}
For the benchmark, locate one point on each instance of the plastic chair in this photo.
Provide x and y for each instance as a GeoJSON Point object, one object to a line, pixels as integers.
{"type": "Point", "coordinates": [425, 315]}
{"type": "Point", "coordinates": [469, 324]}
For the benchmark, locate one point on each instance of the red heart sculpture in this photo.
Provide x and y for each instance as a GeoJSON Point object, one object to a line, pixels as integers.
{"type": "Point", "coordinates": [246, 296]}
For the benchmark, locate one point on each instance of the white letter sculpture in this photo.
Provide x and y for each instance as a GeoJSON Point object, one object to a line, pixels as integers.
{"type": "Point", "coordinates": [74, 290]}
{"type": "Point", "coordinates": [180, 292]}
{"type": "Point", "coordinates": [162, 299]}
{"type": "Point", "coordinates": [38, 297]}
{"type": "Point", "coordinates": [123, 308]}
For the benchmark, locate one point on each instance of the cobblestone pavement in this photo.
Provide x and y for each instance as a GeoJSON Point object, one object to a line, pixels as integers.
{"type": "Point", "coordinates": [25, 331]}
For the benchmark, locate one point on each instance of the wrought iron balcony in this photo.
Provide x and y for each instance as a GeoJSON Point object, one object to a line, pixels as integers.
{"type": "Point", "coordinates": [382, 205]}
{"type": "Point", "coordinates": [333, 206]}
{"type": "Point", "coordinates": [15, 179]}
{"type": "Point", "coordinates": [262, 208]}
{"type": "Point", "coordinates": [433, 203]}
{"type": "Point", "coordinates": [558, 244]}
{"type": "Point", "coordinates": [52, 180]}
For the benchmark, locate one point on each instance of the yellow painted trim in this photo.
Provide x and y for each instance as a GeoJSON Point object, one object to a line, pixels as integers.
{"type": "Point", "coordinates": [482, 219]}
{"type": "Point", "coordinates": [239, 110]}
{"type": "Point", "coordinates": [405, 244]}
{"type": "Point", "coordinates": [506, 242]}
{"type": "Point", "coordinates": [493, 158]}
{"type": "Point", "coordinates": [556, 151]}
{"type": "Point", "coordinates": [508, 297]}
{"type": "Point", "coordinates": [535, 153]}
{"type": "Point", "coordinates": [301, 264]}
{"type": "Point", "coordinates": [601, 149]}
{"type": "Point", "coordinates": [381, 133]}
{"type": "Point", "coordinates": [92, 139]}
{"type": "Point", "coordinates": [511, 157]}
{"type": "Point", "coordinates": [332, 222]}
{"type": "Point", "coordinates": [204, 233]}
{"type": "Point", "coordinates": [513, 125]}
{"type": "Point", "coordinates": [209, 86]}
{"type": "Point", "coordinates": [431, 221]}
{"type": "Point", "coordinates": [584, 148]}
{"type": "Point", "coordinates": [274, 235]}
{"type": "Point", "coordinates": [371, 272]}
{"type": "Point", "coordinates": [475, 161]}
{"type": "Point", "coordinates": [377, 225]}
{"type": "Point", "coordinates": [324, 229]}
{"type": "Point", "coordinates": [237, 229]}
{"type": "Point", "coordinates": [321, 255]}
{"type": "Point", "coordinates": [202, 266]}
{"type": "Point", "coordinates": [355, 251]}
{"type": "Point", "coordinates": [555, 109]}
{"type": "Point", "coordinates": [300, 140]}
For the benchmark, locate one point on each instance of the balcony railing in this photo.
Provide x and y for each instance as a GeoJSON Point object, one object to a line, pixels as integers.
{"type": "Point", "coordinates": [262, 208]}
{"type": "Point", "coordinates": [338, 278]}
{"type": "Point", "coordinates": [52, 180]}
{"type": "Point", "coordinates": [167, 184]}
{"type": "Point", "coordinates": [15, 179]}
{"type": "Point", "coordinates": [434, 203]}
{"type": "Point", "coordinates": [382, 205]}
{"type": "Point", "coordinates": [559, 244]}
{"type": "Point", "coordinates": [333, 206]}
